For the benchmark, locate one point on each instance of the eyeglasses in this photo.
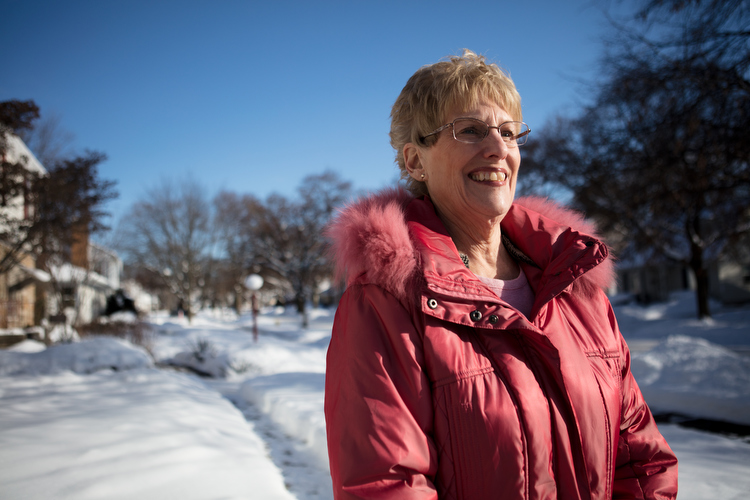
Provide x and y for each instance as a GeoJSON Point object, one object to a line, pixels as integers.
{"type": "Point", "coordinates": [472, 131]}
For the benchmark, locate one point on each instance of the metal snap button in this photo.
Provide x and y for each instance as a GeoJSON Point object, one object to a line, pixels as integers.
{"type": "Point", "coordinates": [432, 303]}
{"type": "Point", "coordinates": [475, 315]}
{"type": "Point", "coordinates": [493, 319]}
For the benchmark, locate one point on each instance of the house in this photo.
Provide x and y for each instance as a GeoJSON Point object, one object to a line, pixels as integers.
{"type": "Point", "coordinates": [20, 292]}
{"type": "Point", "coordinates": [728, 280]}
{"type": "Point", "coordinates": [75, 290]}
{"type": "Point", "coordinates": [80, 288]}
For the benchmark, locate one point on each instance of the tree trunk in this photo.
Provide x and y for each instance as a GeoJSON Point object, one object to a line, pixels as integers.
{"type": "Point", "coordinates": [701, 279]}
{"type": "Point", "coordinates": [187, 307]}
{"type": "Point", "coordinates": [238, 301]}
{"type": "Point", "coordinates": [302, 309]}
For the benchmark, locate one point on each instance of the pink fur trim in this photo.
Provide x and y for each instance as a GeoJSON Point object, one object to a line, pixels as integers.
{"type": "Point", "coordinates": [602, 276]}
{"type": "Point", "coordinates": [371, 235]}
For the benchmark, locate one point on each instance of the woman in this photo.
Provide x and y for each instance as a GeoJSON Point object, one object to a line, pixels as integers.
{"type": "Point", "coordinates": [474, 354]}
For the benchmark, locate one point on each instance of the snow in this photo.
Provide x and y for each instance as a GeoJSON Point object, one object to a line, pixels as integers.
{"type": "Point", "coordinates": [89, 356]}
{"type": "Point", "coordinates": [102, 418]}
{"type": "Point", "coordinates": [693, 376]}
{"type": "Point", "coordinates": [139, 433]}
{"type": "Point", "coordinates": [295, 402]}
{"type": "Point", "coordinates": [37, 274]}
{"type": "Point", "coordinates": [710, 467]}
{"type": "Point", "coordinates": [67, 272]}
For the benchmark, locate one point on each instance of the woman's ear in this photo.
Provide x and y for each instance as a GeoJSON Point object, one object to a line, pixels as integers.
{"type": "Point", "coordinates": [413, 162]}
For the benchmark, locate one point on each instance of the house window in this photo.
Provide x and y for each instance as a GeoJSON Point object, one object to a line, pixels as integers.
{"type": "Point", "coordinates": [68, 294]}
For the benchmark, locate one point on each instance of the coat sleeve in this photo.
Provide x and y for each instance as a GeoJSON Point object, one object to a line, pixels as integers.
{"type": "Point", "coordinates": [378, 404]}
{"type": "Point", "coordinates": [646, 467]}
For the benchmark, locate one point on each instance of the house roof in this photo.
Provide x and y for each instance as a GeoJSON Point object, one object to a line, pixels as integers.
{"type": "Point", "coordinates": [17, 149]}
{"type": "Point", "coordinates": [36, 274]}
{"type": "Point", "coordinates": [68, 273]}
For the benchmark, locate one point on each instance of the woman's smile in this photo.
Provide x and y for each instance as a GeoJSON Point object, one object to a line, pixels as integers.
{"type": "Point", "coordinates": [489, 176]}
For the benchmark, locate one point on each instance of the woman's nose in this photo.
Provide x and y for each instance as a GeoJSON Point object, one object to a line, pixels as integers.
{"type": "Point", "coordinates": [495, 145]}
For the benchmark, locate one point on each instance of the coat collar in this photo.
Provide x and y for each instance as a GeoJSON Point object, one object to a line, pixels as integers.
{"type": "Point", "coordinates": [394, 240]}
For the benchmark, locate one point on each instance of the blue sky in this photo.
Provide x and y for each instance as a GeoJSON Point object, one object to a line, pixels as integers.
{"type": "Point", "coordinates": [253, 96]}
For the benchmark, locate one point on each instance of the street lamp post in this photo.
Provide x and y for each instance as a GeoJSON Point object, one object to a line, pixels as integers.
{"type": "Point", "coordinates": [254, 283]}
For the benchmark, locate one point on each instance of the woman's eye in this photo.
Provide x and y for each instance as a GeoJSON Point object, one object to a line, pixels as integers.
{"type": "Point", "coordinates": [508, 132]}
{"type": "Point", "coordinates": [471, 130]}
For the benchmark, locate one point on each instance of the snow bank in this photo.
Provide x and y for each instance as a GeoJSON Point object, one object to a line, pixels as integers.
{"type": "Point", "coordinates": [695, 377]}
{"type": "Point", "coordinates": [63, 333]}
{"type": "Point", "coordinates": [729, 327]}
{"type": "Point", "coordinates": [294, 401]}
{"type": "Point", "coordinates": [711, 467]}
{"type": "Point", "coordinates": [232, 354]}
{"type": "Point", "coordinates": [145, 433]}
{"type": "Point", "coordinates": [28, 345]}
{"type": "Point", "coordinates": [281, 374]}
{"type": "Point", "coordinates": [88, 356]}
{"type": "Point", "coordinates": [222, 345]}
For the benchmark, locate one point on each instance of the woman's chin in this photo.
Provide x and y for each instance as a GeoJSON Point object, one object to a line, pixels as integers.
{"type": "Point", "coordinates": [493, 201]}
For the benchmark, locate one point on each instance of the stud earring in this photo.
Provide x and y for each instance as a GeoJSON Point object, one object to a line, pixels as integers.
{"type": "Point", "coordinates": [422, 176]}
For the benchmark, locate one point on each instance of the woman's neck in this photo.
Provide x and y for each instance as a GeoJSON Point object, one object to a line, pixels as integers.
{"type": "Point", "coordinates": [482, 245]}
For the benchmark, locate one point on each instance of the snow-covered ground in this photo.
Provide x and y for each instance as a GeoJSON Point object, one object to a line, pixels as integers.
{"type": "Point", "coordinates": [103, 419]}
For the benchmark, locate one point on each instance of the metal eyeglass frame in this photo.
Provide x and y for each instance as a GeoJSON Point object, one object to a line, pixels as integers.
{"type": "Point", "coordinates": [512, 143]}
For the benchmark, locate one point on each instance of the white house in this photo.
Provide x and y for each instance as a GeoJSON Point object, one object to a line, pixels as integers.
{"type": "Point", "coordinates": [81, 288]}
{"type": "Point", "coordinates": [19, 297]}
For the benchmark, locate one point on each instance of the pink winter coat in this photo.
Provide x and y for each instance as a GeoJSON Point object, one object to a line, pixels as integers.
{"type": "Point", "coordinates": [436, 388]}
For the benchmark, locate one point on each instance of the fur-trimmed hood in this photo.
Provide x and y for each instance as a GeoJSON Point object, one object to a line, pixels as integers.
{"type": "Point", "coordinates": [372, 235]}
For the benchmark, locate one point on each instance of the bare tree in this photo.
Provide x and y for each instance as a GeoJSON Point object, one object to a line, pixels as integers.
{"type": "Point", "coordinates": [320, 196]}
{"type": "Point", "coordinates": [48, 140]}
{"type": "Point", "coordinates": [236, 218]}
{"type": "Point", "coordinates": [169, 232]}
{"type": "Point", "coordinates": [662, 154]}
{"type": "Point", "coordinates": [284, 237]}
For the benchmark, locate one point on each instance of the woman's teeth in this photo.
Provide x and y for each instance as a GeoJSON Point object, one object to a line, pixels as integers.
{"type": "Point", "coordinates": [489, 176]}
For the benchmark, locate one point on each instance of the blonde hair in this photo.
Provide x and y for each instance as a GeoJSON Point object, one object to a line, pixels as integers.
{"type": "Point", "coordinates": [458, 81]}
